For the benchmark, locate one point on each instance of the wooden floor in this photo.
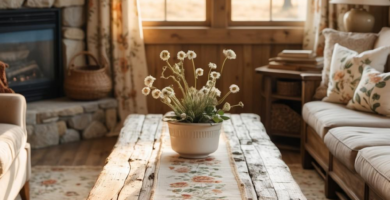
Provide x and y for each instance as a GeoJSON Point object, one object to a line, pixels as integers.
{"type": "Point", "coordinates": [94, 153]}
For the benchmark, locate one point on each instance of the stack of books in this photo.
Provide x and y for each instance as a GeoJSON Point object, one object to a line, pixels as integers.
{"type": "Point", "coordinates": [298, 60]}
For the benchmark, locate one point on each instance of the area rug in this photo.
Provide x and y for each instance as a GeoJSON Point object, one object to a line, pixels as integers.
{"type": "Point", "coordinates": [309, 181]}
{"type": "Point", "coordinates": [74, 183]}
{"type": "Point", "coordinates": [62, 182]}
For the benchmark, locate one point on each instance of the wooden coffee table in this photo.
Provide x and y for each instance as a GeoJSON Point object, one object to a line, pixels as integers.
{"type": "Point", "coordinates": [130, 168]}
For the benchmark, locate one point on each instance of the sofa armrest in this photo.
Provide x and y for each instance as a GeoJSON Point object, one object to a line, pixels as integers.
{"type": "Point", "coordinates": [13, 109]}
{"type": "Point", "coordinates": [310, 82]}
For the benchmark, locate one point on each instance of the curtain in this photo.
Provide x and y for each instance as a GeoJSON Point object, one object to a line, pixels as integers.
{"type": "Point", "coordinates": [115, 37]}
{"type": "Point", "coordinates": [320, 15]}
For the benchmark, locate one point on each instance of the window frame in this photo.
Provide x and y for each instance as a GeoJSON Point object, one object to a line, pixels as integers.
{"type": "Point", "coordinates": [210, 17]}
{"type": "Point", "coordinates": [207, 22]}
{"type": "Point", "coordinates": [259, 23]}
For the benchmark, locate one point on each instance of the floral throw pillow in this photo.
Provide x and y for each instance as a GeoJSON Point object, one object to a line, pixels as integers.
{"type": "Point", "coordinates": [372, 93]}
{"type": "Point", "coordinates": [347, 68]}
{"type": "Point", "coordinates": [358, 42]}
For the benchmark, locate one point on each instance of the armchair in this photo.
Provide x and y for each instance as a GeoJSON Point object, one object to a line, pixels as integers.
{"type": "Point", "coordinates": [15, 165]}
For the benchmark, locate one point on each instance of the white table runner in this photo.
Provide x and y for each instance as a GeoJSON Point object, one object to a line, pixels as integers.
{"type": "Point", "coordinates": [211, 178]}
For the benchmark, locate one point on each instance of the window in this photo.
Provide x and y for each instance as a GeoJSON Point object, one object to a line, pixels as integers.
{"type": "Point", "coordinates": [166, 11]}
{"type": "Point", "coordinates": [268, 10]}
{"type": "Point", "coordinates": [237, 12]}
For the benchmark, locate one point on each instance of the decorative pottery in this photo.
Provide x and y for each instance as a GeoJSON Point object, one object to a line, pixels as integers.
{"type": "Point", "coordinates": [192, 140]}
{"type": "Point", "coordinates": [359, 20]}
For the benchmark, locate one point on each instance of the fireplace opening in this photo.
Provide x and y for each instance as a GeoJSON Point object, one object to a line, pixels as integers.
{"type": "Point", "coordinates": [31, 46]}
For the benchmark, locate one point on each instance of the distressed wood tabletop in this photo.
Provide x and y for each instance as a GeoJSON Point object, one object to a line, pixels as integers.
{"type": "Point", "coordinates": [130, 168]}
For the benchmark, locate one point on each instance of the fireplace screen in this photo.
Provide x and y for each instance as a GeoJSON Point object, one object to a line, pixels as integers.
{"type": "Point", "coordinates": [29, 55]}
{"type": "Point", "coordinates": [30, 43]}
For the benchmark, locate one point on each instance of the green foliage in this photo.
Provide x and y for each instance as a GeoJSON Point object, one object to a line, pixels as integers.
{"type": "Point", "coordinates": [348, 65]}
{"type": "Point", "coordinates": [375, 106]}
{"type": "Point", "coordinates": [357, 98]}
{"type": "Point", "coordinates": [376, 96]}
{"type": "Point", "coordinates": [381, 85]}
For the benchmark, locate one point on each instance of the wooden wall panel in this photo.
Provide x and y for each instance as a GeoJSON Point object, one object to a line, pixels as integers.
{"type": "Point", "coordinates": [240, 71]}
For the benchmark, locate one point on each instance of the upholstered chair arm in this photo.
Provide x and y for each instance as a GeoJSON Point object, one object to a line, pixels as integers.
{"type": "Point", "coordinates": [309, 84]}
{"type": "Point", "coordinates": [13, 109]}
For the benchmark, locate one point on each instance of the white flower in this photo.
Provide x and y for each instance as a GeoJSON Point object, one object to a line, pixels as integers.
{"type": "Point", "coordinates": [167, 100]}
{"type": "Point", "coordinates": [164, 55]}
{"type": "Point", "coordinates": [181, 55]}
{"type": "Point", "coordinates": [204, 90]}
{"type": "Point", "coordinates": [234, 88]}
{"type": "Point", "coordinates": [168, 92]}
{"type": "Point", "coordinates": [229, 54]}
{"type": "Point", "coordinates": [199, 72]}
{"type": "Point", "coordinates": [215, 75]}
{"type": "Point", "coordinates": [192, 90]}
{"type": "Point", "coordinates": [212, 66]}
{"type": "Point", "coordinates": [191, 55]}
{"type": "Point", "coordinates": [216, 91]}
{"type": "Point", "coordinates": [177, 68]}
{"type": "Point", "coordinates": [149, 80]}
{"type": "Point", "coordinates": [183, 116]}
{"type": "Point", "coordinates": [226, 107]}
{"type": "Point", "coordinates": [156, 93]}
{"type": "Point", "coordinates": [241, 104]}
{"type": "Point", "coordinates": [210, 83]}
{"type": "Point", "coordinates": [145, 91]}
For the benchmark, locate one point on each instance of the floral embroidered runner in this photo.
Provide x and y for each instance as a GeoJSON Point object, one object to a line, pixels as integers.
{"type": "Point", "coordinates": [211, 178]}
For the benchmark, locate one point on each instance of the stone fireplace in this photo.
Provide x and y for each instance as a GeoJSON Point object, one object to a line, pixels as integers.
{"type": "Point", "coordinates": [38, 38]}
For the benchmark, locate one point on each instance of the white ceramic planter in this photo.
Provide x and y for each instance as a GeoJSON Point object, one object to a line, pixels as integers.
{"type": "Point", "coordinates": [194, 140]}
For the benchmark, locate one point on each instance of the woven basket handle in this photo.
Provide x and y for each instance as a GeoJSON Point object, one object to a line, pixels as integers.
{"type": "Point", "coordinates": [72, 65]}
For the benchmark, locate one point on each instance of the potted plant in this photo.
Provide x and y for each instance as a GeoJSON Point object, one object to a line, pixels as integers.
{"type": "Point", "coordinates": [196, 118]}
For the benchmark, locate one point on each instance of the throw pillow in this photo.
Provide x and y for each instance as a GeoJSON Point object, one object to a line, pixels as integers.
{"type": "Point", "coordinates": [358, 42]}
{"type": "Point", "coordinates": [347, 68]}
{"type": "Point", "coordinates": [383, 38]}
{"type": "Point", "coordinates": [372, 93]}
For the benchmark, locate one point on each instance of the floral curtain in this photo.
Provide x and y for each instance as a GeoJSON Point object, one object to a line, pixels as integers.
{"type": "Point", "coordinates": [115, 37]}
{"type": "Point", "coordinates": [320, 15]}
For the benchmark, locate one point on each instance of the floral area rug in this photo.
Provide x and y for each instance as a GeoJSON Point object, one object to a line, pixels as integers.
{"type": "Point", "coordinates": [311, 183]}
{"type": "Point", "coordinates": [74, 183]}
{"type": "Point", "coordinates": [62, 182]}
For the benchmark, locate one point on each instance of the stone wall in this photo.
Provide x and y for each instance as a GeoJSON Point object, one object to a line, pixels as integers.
{"type": "Point", "coordinates": [73, 23]}
{"type": "Point", "coordinates": [57, 121]}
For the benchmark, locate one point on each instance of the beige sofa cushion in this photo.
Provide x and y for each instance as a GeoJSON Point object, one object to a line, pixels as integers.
{"type": "Point", "coordinates": [322, 116]}
{"type": "Point", "coordinates": [345, 142]}
{"type": "Point", "coordinates": [373, 165]}
{"type": "Point", "coordinates": [12, 141]}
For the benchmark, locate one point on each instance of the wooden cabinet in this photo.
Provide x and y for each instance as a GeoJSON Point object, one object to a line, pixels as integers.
{"type": "Point", "coordinates": [281, 114]}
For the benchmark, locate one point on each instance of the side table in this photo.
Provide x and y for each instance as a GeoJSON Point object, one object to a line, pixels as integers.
{"type": "Point", "coordinates": [284, 139]}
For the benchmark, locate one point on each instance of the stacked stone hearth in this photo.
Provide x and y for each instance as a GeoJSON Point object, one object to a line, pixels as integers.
{"type": "Point", "coordinates": [57, 121]}
{"type": "Point", "coordinates": [73, 23]}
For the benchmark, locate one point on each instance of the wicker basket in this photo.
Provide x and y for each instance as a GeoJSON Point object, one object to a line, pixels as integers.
{"type": "Point", "coordinates": [288, 88]}
{"type": "Point", "coordinates": [89, 82]}
{"type": "Point", "coordinates": [283, 118]}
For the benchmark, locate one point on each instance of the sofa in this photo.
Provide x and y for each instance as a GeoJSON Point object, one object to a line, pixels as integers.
{"type": "Point", "coordinates": [15, 167]}
{"type": "Point", "coordinates": [350, 149]}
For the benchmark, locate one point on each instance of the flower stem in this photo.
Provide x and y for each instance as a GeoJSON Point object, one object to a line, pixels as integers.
{"type": "Point", "coordinates": [223, 64]}
{"type": "Point", "coordinates": [223, 98]}
{"type": "Point", "coordinates": [193, 66]}
{"type": "Point", "coordinates": [173, 77]}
